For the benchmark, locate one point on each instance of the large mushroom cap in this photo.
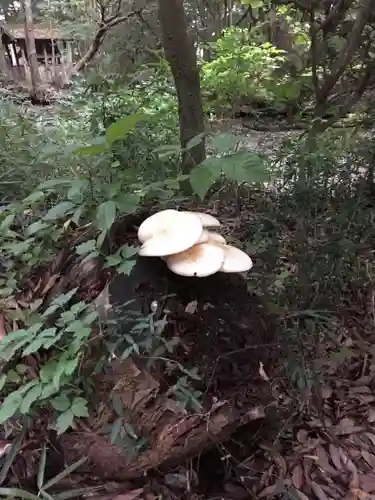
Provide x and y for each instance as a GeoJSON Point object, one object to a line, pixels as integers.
{"type": "Point", "coordinates": [211, 236]}
{"type": "Point", "coordinates": [168, 232]}
{"type": "Point", "coordinates": [235, 260]}
{"type": "Point", "coordinates": [152, 224]}
{"type": "Point", "coordinates": [207, 220]}
{"type": "Point", "coordinates": [201, 260]}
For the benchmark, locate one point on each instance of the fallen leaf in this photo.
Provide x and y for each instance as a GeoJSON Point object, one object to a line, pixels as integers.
{"type": "Point", "coordinates": [318, 492]}
{"type": "Point", "coordinates": [191, 307]}
{"type": "Point", "coordinates": [369, 458]}
{"type": "Point", "coordinates": [3, 333]}
{"type": "Point", "coordinates": [130, 495]}
{"type": "Point", "coordinates": [323, 461]}
{"type": "Point", "coordinates": [297, 477]}
{"type": "Point", "coordinates": [361, 495]}
{"type": "Point", "coordinates": [50, 283]}
{"type": "Point", "coordinates": [262, 372]}
{"type": "Point", "coordinates": [335, 457]}
{"type": "Point", "coordinates": [4, 447]}
{"type": "Point", "coordinates": [301, 495]}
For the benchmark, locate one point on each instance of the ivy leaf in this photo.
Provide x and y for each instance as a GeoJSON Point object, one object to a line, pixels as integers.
{"type": "Point", "coordinates": [59, 210]}
{"type": "Point", "coordinates": [106, 215]}
{"type": "Point", "coordinates": [122, 127]}
{"type": "Point", "coordinates": [64, 421]}
{"type": "Point", "coordinates": [79, 407]}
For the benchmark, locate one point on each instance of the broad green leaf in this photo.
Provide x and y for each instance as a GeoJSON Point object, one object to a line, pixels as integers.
{"type": "Point", "coordinates": [168, 151]}
{"type": "Point", "coordinates": [60, 210]}
{"type": "Point", "coordinates": [106, 215]}
{"type": "Point", "coordinates": [33, 197]}
{"type": "Point", "coordinates": [245, 167]}
{"type": "Point", "coordinates": [86, 247]}
{"type": "Point", "coordinates": [122, 127]}
{"type": "Point", "coordinates": [64, 421]}
{"type": "Point", "coordinates": [35, 227]}
{"type": "Point", "coordinates": [29, 398]}
{"type": "Point", "coordinates": [98, 146]}
{"type": "Point", "coordinates": [61, 403]}
{"type": "Point", "coordinates": [126, 267]}
{"type": "Point", "coordinates": [79, 407]}
{"type": "Point", "coordinates": [195, 141]}
{"type": "Point", "coordinates": [225, 143]}
{"type": "Point", "coordinates": [7, 222]}
{"type": "Point", "coordinates": [201, 179]}
{"type": "Point", "coordinates": [127, 251]}
{"type": "Point", "coordinates": [9, 406]}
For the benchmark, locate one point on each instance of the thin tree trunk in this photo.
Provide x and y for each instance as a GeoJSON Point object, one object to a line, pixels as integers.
{"type": "Point", "coordinates": [181, 56]}
{"type": "Point", "coordinates": [30, 47]}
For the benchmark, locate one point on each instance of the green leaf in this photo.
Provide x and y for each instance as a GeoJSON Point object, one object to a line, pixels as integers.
{"type": "Point", "coordinates": [201, 179]}
{"type": "Point", "coordinates": [64, 421]}
{"type": "Point", "coordinates": [195, 141]}
{"type": "Point", "coordinates": [7, 222]}
{"type": "Point", "coordinates": [245, 166]}
{"type": "Point", "coordinates": [86, 247]}
{"type": "Point", "coordinates": [35, 227]}
{"type": "Point", "coordinates": [98, 146]}
{"type": "Point", "coordinates": [225, 143]}
{"type": "Point", "coordinates": [122, 127]}
{"type": "Point", "coordinates": [29, 398]}
{"type": "Point", "coordinates": [167, 151]}
{"type": "Point", "coordinates": [79, 407]}
{"type": "Point", "coordinates": [106, 215]}
{"type": "Point", "coordinates": [9, 406]}
{"type": "Point", "coordinates": [126, 267]}
{"type": "Point", "coordinates": [33, 197]}
{"type": "Point", "coordinates": [59, 210]}
{"type": "Point", "coordinates": [127, 251]}
{"type": "Point", "coordinates": [61, 403]}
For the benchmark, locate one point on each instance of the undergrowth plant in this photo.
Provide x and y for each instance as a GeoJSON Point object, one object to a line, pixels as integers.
{"type": "Point", "coordinates": [78, 213]}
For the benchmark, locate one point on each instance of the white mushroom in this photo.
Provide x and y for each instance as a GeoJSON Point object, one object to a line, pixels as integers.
{"type": "Point", "coordinates": [235, 260]}
{"type": "Point", "coordinates": [207, 220]}
{"type": "Point", "coordinates": [151, 225]}
{"type": "Point", "coordinates": [168, 232]}
{"type": "Point", "coordinates": [211, 236]}
{"type": "Point", "coordinates": [201, 260]}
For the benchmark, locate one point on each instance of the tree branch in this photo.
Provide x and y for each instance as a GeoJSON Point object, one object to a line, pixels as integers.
{"type": "Point", "coordinates": [347, 51]}
{"type": "Point", "coordinates": [99, 38]}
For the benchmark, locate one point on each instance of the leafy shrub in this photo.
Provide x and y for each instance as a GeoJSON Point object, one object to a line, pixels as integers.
{"type": "Point", "coordinates": [244, 71]}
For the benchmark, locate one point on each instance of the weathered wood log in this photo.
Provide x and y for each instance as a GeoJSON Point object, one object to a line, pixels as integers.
{"type": "Point", "coordinates": [173, 434]}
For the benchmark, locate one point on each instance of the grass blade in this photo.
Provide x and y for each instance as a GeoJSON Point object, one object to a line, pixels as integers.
{"type": "Point", "coordinates": [64, 473]}
{"type": "Point", "coordinates": [66, 495]}
{"type": "Point", "coordinates": [42, 467]}
{"type": "Point", "coordinates": [16, 492]}
{"type": "Point", "coordinates": [11, 455]}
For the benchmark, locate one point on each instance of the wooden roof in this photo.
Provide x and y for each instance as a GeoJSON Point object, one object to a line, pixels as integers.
{"type": "Point", "coordinates": [41, 32]}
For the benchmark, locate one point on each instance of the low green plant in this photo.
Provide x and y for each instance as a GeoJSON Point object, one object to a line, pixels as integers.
{"type": "Point", "coordinates": [243, 71]}
{"type": "Point", "coordinates": [60, 328]}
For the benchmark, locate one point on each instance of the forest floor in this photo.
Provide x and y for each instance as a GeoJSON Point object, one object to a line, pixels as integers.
{"type": "Point", "coordinates": [256, 437]}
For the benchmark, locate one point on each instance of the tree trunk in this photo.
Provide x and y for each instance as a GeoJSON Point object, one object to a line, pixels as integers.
{"type": "Point", "coordinates": [181, 56]}
{"type": "Point", "coordinates": [30, 48]}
